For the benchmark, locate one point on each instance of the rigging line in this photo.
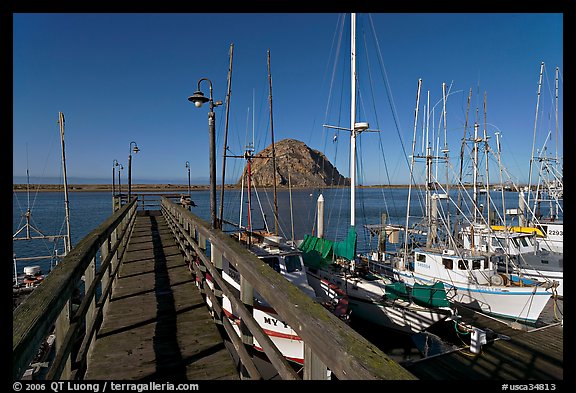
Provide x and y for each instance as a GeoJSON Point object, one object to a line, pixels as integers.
{"type": "Point", "coordinates": [261, 209]}
{"type": "Point", "coordinates": [388, 92]}
{"type": "Point", "coordinates": [362, 199]}
{"type": "Point", "coordinates": [340, 30]}
{"type": "Point", "coordinates": [324, 78]}
{"type": "Point", "coordinates": [371, 84]}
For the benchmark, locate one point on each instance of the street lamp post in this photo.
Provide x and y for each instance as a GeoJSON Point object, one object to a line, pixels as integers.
{"type": "Point", "coordinates": [198, 99]}
{"type": "Point", "coordinates": [114, 165]}
{"type": "Point", "coordinates": [188, 167]}
{"type": "Point", "coordinates": [135, 150]}
{"type": "Point", "coordinates": [120, 168]}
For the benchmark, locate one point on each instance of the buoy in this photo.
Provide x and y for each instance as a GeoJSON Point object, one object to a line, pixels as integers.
{"type": "Point", "coordinates": [477, 339]}
{"type": "Point", "coordinates": [31, 270]}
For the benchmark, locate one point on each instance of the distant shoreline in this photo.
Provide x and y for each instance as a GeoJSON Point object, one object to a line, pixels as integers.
{"type": "Point", "coordinates": [164, 187]}
{"type": "Point", "coordinates": [153, 187]}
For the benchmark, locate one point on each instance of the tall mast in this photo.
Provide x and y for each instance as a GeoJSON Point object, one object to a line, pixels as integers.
{"type": "Point", "coordinates": [534, 137]}
{"type": "Point", "coordinates": [273, 150]}
{"type": "Point", "coordinates": [486, 150]}
{"type": "Point", "coordinates": [67, 243]}
{"type": "Point", "coordinates": [556, 107]}
{"type": "Point", "coordinates": [475, 172]}
{"type": "Point", "coordinates": [412, 168]}
{"type": "Point", "coordinates": [462, 147]}
{"type": "Point", "coordinates": [353, 120]}
{"type": "Point", "coordinates": [225, 148]}
{"type": "Point", "coordinates": [445, 152]}
{"type": "Point", "coordinates": [500, 171]}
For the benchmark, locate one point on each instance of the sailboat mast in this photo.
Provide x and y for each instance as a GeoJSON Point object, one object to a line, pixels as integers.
{"type": "Point", "coordinates": [487, 167]}
{"type": "Point", "coordinates": [28, 213]}
{"type": "Point", "coordinates": [412, 168]}
{"type": "Point", "coordinates": [501, 180]}
{"type": "Point", "coordinates": [475, 172]}
{"type": "Point", "coordinates": [67, 243]}
{"type": "Point", "coordinates": [445, 152]}
{"type": "Point", "coordinates": [556, 110]}
{"type": "Point", "coordinates": [534, 137]}
{"type": "Point", "coordinates": [225, 148]}
{"type": "Point", "coordinates": [273, 150]}
{"type": "Point", "coordinates": [353, 120]}
{"type": "Point", "coordinates": [462, 147]}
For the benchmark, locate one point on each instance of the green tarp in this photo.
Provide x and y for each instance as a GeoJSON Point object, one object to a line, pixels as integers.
{"type": "Point", "coordinates": [423, 295]}
{"type": "Point", "coordinates": [430, 295]}
{"type": "Point", "coordinates": [319, 251]}
{"type": "Point", "coordinates": [397, 290]}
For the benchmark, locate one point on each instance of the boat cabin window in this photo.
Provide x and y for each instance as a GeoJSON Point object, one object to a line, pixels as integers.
{"type": "Point", "coordinates": [524, 242]}
{"type": "Point", "coordinates": [293, 263]}
{"type": "Point", "coordinates": [462, 265]}
{"type": "Point", "coordinates": [273, 263]}
{"type": "Point", "coordinates": [448, 263]}
{"type": "Point", "coordinates": [421, 257]}
{"type": "Point", "coordinates": [476, 264]}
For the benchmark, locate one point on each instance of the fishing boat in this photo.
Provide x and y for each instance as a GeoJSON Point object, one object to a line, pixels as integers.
{"type": "Point", "coordinates": [544, 207]}
{"type": "Point", "coordinates": [470, 275]}
{"type": "Point", "coordinates": [517, 253]}
{"type": "Point", "coordinates": [372, 296]}
{"type": "Point", "coordinates": [527, 249]}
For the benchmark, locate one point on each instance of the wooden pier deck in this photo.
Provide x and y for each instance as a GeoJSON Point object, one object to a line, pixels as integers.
{"type": "Point", "coordinates": [157, 326]}
{"type": "Point", "coordinates": [510, 354]}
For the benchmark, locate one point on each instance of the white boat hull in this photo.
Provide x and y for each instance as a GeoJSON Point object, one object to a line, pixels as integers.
{"type": "Point", "coordinates": [523, 304]}
{"type": "Point", "coordinates": [546, 277]}
{"type": "Point", "coordinates": [396, 318]}
{"type": "Point", "coordinates": [369, 306]}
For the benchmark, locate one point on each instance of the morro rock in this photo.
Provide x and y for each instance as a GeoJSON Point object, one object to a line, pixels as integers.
{"type": "Point", "coordinates": [297, 165]}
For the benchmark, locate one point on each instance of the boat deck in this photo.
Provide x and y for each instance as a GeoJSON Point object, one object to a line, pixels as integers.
{"type": "Point", "coordinates": [157, 326]}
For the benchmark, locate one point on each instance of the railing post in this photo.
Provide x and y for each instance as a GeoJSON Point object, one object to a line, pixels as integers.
{"type": "Point", "coordinates": [107, 275]}
{"type": "Point", "coordinates": [89, 277]}
{"type": "Point", "coordinates": [62, 326]}
{"type": "Point", "coordinates": [246, 297]}
{"type": "Point", "coordinates": [216, 258]}
{"type": "Point", "coordinates": [314, 368]}
{"type": "Point", "coordinates": [201, 240]}
{"type": "Point", "coordinates": [115, 203]}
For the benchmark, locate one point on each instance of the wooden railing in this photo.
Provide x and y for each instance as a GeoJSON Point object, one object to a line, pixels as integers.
{"type": "Point", "coordinates": [328, 341]}
{"type": "Point", "coordinates": [88, 270]}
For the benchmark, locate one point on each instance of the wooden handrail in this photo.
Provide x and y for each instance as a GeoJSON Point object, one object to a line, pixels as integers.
{"type": "Point", "coordinates": [34, 318]}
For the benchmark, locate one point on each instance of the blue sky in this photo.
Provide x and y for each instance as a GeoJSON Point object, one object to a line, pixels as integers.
{"type": "Point", "coordinates": [126, 77]}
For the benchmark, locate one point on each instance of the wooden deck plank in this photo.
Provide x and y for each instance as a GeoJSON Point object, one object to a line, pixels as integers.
{"type": "Point", "coordinates": [157, 326]}
{"type": "Point", "coordinates": [511, 354]}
